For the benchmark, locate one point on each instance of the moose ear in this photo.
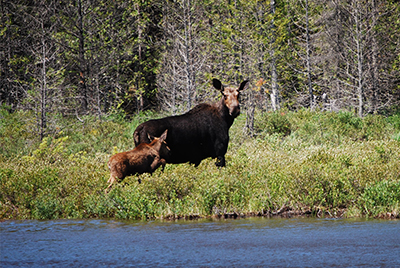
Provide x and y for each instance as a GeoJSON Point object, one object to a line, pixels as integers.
{"type": "Point", "coordinates": [164, 135]}
{"type": "Point", "coordinates": [217, 84]}
{"type": "Point", "coordinates": [244, 85]}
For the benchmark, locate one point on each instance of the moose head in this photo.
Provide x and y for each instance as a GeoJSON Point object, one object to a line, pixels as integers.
{"type": "Point", "coordinates": [230, 96]}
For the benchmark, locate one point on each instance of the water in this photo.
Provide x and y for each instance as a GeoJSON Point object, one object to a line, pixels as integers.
{"type": "Point", "coordinates": [247, 242]}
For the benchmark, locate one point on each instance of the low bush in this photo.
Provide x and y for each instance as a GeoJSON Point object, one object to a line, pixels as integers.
{"type": "Point", "coordinates": [316, 163]}
{"type": "Point", "coordinates": [380, 198]}
{"type": "Point", "coordinates": [273, 123]}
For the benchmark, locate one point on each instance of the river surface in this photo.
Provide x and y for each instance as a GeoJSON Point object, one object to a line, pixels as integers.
{"type": "Point", "coordinates": [249, 242]}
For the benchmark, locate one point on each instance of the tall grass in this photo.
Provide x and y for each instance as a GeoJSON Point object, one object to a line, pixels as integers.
{"type": "Point", "coordinates": [322, 164]}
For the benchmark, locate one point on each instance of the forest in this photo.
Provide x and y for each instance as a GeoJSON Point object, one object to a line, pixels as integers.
{"type": "Point", "coordinates": [77, 58]}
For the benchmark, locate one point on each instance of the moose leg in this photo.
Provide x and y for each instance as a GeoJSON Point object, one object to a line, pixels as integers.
{"type": "Point", "coordinates": [220, 148]}
{"type": "Point", "coordinates": [220, 161]}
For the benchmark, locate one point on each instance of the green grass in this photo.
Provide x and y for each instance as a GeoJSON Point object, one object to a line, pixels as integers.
{"type": "Point", "coordinates": [314, 163]}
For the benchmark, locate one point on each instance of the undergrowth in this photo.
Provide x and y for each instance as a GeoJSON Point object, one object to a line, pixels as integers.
{"type": "Point", "coordinates": [315, 163]}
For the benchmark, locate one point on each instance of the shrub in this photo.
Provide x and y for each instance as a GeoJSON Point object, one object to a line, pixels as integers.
{"type": "Point", "coordinates": [378, 197]}
{"type": "Point", "coordinates": [273, 123]}
{"type": "Point", "coordinates": [304, 161]}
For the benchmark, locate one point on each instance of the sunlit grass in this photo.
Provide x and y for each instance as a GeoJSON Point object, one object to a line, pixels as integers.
{"type": "Point", "coordinates": [323, 164]}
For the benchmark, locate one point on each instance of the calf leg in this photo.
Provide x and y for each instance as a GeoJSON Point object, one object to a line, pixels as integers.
{"type": "Point", "coordinates": [111, 180]}
{"type": "Point", "coordinates": [163, 163]}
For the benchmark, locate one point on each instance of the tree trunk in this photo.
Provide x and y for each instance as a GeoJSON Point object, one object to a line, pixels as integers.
{"type": "Point", "coordinates": [43, 89]}
{"type": "Point", "coordinates": [139, 71]}
{"type": "Point", "coordinates": [310, 89]}
{"type": "Point", "coordinates": [360, 61]}
{"type": "Point", "coordinates": [250, 113]}
{"type": "Point", "coordinates": [375, 69]}
{"type": "Point", "coordinates": [187, 17]}
{"type": "Point", "coordinates": [274, 74]}
{"type": "Point", "coordinates": [82, 61]}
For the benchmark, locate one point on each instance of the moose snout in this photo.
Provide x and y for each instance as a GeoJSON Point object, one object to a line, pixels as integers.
{"type": "Point", "coordinates": [234, 111]}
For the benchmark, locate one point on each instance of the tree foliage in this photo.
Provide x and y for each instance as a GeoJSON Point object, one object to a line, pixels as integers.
{"type": "Point", "coordinates": [95, 57]}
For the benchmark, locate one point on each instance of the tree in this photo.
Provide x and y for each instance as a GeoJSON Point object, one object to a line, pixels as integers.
{"type": "Point", "coordinates": [353, 29]}
{"type": "Point", "coordinates": [183, 59]}
{"type": "Point", "coordinates": [45, 72]}
{"type": "Point", "coordinates": [112, 53]}
{"type": "Point", "coordinates": [305, 37]}
{"type": "Point", "coordinates": [274, 73]}
{"type": "Point", "coordinates": [101, 56]}
{"type": "Point", "coordinates": [14, 57]}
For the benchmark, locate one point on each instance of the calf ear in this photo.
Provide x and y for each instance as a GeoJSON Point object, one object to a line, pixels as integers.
{"type": "Point", "coordinates": [164, 135]}
{"type": "Point", "coordinates": [244, 85]}
{"type": "Point", "coordinates": [217, 84]}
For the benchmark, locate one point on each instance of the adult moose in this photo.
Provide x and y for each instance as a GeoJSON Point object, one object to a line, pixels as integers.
{"type": "Point", "coordinates": [201, 132]}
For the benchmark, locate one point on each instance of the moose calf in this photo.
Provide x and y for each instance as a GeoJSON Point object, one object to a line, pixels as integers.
{"type": "Point", "coordinates": [145, 158]}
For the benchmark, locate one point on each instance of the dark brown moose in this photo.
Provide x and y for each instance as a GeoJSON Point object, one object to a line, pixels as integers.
{"type": "Point", "coordinates": [201, 132]}
{"type": "Point", "coordinates": [145, 158]}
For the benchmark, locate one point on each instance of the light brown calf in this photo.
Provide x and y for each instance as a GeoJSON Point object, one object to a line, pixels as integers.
{"type": "Point", "coordinates": [145, 158]}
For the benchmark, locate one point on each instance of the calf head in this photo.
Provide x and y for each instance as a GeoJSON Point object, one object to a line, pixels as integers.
{"type": "Point", "coordinates": [231, 96]}
{"type": "Point", "coordinates": [160, 145]}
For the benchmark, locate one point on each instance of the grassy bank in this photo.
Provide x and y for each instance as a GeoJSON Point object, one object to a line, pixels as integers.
{"type": "Point", "coordinates": [314, 163]}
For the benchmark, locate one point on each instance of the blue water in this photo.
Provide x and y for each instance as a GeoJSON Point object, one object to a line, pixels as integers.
{"type": "Point", "coordinates": [250, 242]}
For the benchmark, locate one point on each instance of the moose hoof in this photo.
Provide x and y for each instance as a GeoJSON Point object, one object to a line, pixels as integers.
{"type": "Point", "coordinates": [220, 162]}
